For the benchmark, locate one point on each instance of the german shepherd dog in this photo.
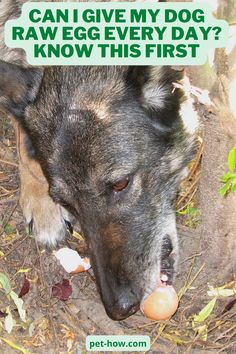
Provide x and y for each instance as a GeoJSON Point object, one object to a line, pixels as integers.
{"type": "Point", "coordinates": [109, 147]}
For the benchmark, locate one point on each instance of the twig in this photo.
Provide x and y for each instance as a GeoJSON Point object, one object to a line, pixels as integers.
{"type": "Point", "coordinates": [15, 246]}
{"type": "Point", "coordinates": [189, 200]}
{"type": "Point", "coordinates": [220, 322]}
{"type": "Point", "coordinates": [161, 329]}
{"type": "Point", "coordinates": [191, 257]}
{"type": "Point", "coordinates": [196, 163]}
{"type": "Point", "coordinates": [9, 163]}
{"type": "Point", "coordinates": [43, 283]}
{"type": "Point", "coordinates": [72, 321]}
{"type": "Point", "coordinates": [8, 200]}
{"type": "Point", "coordinates": [4, 222]}
{"type": "Point", "coordinates": [40, 265]}
{"type": "Point", "coordinates": [9, 192]}
{"type": "Point", "coordinates": [227, 346]}
{"type": "Point", "coordinates": [222, 335]}
{"type": "Point", "coordinates": [189, 189]}
{"type": "Point", "coordinates": [188, 284]}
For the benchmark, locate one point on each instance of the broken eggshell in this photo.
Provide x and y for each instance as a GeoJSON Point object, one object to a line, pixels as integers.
{"type": "Point", "coordinates": [71, 260]}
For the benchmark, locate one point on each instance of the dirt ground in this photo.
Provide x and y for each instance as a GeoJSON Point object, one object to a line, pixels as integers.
{"type": "Point", "coordinates": [56, 326]}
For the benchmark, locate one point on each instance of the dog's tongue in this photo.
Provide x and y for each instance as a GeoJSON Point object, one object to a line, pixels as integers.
{"type": "Point", "coordinates": [162, 303]}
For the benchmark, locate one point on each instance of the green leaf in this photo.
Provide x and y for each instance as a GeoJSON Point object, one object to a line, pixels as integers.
{"type": "Point", "coordinates": [31, 329]}
{"type": "Point", "coordinates": [15, 346]}
{"type": "Point", "coordinates": [23, 270]}
{"type": "Point", "coordinates": [227, 176]}
{"type": "Point", "coordinates": [232, 159]}
{"type": "Point", "coordinates": [226, 187]}
{"type": "Point", "coordinates": [193, 212]}
{"type": "Point", "coordinates": [233, 188]}
{"type": "Point", "coordinates": [204, 313]}
{"type": "Point", "coordinates": [203, 332]}
{"type": "Point", "coordinates": [9, 322]}
{"type": "Point", "coordinates": [5, 282]}
{"type": "Point", "coordinates": [19, 304]}
{"type": "Point", "coordinates": [9, 229]}
{"type": "Point", "coordinates": [221, 292]}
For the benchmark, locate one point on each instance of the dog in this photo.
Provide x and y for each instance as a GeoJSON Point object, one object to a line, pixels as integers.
{"type": "Point", "coordinates": [107, 146]}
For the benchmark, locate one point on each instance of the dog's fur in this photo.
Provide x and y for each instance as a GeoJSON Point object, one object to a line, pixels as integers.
{"type": "Point", "coordinates": [82, 133]}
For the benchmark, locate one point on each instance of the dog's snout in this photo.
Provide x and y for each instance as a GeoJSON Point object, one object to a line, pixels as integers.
{"type": "Point", "coordinates": [125, 304]}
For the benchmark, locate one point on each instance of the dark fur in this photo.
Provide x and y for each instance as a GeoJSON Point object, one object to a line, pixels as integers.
{"type": "Point", "coordinates": [91, 127]}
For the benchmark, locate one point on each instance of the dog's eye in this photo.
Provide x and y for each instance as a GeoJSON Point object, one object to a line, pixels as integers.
{"type": "Point", "coordinates": [121, 185]}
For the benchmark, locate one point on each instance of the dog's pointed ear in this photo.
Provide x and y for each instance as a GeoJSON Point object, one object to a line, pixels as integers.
{"type": "Point", "coordinates": [18, 87]}
{"type": "Point", "coordinates": [164, 94]}
{"type": "Point", "coordinates": [159, 92]}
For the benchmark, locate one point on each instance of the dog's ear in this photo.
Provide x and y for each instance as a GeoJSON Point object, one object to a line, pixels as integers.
{"type": "Point", "coordinates": [18, 87]}
{"type": "Point", "coordinates": [160, 93]}
{"type": "Point", "coordinates": [164, 93]}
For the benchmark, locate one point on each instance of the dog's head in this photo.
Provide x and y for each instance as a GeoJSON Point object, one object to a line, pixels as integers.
{"type": "Point", "coordinates": [113, 145]}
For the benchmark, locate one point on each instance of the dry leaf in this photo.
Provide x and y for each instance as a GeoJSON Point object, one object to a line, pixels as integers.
{"type": "Point", "coordinates": [62, 290]}
{"type": "Point", "coordinates": [25, 287]}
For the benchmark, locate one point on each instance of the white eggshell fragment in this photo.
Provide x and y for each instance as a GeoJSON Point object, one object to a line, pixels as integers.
{"type": "Point", "coordinates": [70, 259]}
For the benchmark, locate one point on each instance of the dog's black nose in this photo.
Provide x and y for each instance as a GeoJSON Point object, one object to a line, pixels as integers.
{"type": "Point", "coordinates": [125, 305]}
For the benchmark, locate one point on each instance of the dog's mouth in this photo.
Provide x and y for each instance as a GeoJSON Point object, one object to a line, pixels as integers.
{"type": "Point", "coordinates": [164, 273]}
{"type": "Point", "coordinates": [168, 260]}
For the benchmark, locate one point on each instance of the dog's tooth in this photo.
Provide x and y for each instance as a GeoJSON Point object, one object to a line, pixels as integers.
{"type": "Point", "coordinates": [164, 277]}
